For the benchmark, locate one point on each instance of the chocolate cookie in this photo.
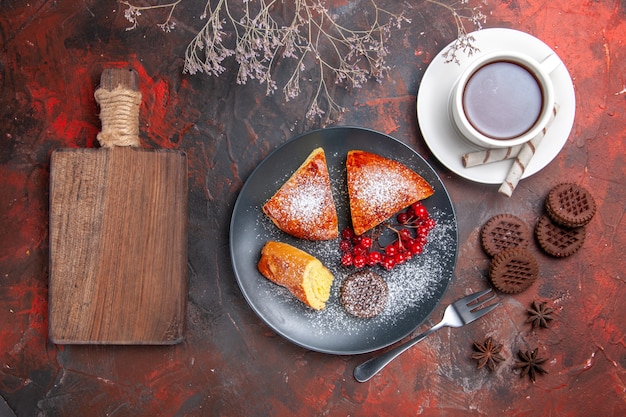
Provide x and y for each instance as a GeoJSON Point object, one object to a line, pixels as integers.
{"type": "Point", "coordinates": [364, 294]}
{"type": "Point", "coordinates": [556, 240]}
{"type": "Point", "coordinates": [570, 205]}
{"type": "Point", "coordinates": [513, 270]}
{"type": "Point", "coordinates": [504, 231]}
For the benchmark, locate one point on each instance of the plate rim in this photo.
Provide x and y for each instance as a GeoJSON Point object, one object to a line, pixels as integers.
{"type": "Point", "coordinates": [238, 202]}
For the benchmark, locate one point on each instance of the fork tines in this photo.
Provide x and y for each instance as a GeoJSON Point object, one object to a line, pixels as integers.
{"type": "Point", "coordinates": [474, 298]}
{"type": "Point", "coordinates": [478, 300]}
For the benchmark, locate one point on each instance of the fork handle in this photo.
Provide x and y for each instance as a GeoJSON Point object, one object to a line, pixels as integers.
{"type": "Point", "coordinates": [371, 367]}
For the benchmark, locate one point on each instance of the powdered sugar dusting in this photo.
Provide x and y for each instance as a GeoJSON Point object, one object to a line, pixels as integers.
{"type": "Point", "coordinates": [414, 287]}
{"type": "Point", "coordinates": [304, 205]}
{"type": "Point", "coordinates": [364, 294]}
{"type": "Point", "coordinates": [306, 202]}
{"type": "Point", "coordinates": [379, 188]}
{"type": "Point", "coordinates": [410, 284]}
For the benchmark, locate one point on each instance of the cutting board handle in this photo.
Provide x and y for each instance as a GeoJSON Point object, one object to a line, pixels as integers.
{"type": "Point", "coordinates": [119, 99]}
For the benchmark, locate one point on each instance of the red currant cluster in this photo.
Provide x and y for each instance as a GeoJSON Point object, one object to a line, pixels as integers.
{"type": "Point", "coordinates": [410, 236]}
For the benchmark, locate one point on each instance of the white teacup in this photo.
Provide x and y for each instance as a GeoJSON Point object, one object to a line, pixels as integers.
{"type": "Point", "coordinates": [503, 98]}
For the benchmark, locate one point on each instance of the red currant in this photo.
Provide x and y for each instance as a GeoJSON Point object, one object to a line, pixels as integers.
{"type": "Point", "coordinates": [403, 217]}
{"type": "Point", "coordinates": [347, 259]}
{"type": "Point", "coordinates": [391, 250]}
{"type": "Point", "coordinates": [416, 248]}
{"type": "Point", "coordinates": [414, 226]}
{"type": "Point", "coordinates": [366, 242]}
{"type": "Point", "coordinates": [405, 234]}
{"type": "Point", "coordinates": [422, 230]}
{"type": "Point", "coordinates": [374, 258]}
{"type": "Point", "coordinates": [359, 261]}
{"type": "Point", "coordinates": [388, 262]}
{"type": "Point", "coordinates": [399, 258]}
{"type": "Point", "coordinates": [419, 210]}
{"type": "Point", "coordinates": [359, 250]}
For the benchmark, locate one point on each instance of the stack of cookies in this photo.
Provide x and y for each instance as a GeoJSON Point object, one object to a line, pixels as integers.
{"type": "Point", "coordinates": [560, 232]}
{"type": "Point", "coordinates": [513, 268]}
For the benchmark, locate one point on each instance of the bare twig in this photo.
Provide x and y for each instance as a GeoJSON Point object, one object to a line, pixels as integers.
{"type": "Point", "coordinates": [309, 34]}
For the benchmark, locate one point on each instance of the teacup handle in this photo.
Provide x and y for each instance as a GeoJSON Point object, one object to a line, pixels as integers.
{"type": "Point", "coordinates": [550, 63]}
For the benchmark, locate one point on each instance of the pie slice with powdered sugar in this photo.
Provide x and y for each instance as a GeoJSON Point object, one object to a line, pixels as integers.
{"type": "Point", "coordinates": [304, 207]}
{"type": "Point", "coordinates": [379, 187]}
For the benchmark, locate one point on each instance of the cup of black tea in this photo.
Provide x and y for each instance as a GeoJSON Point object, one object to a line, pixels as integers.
{"type": "Point", "coordinates": [503, 98]}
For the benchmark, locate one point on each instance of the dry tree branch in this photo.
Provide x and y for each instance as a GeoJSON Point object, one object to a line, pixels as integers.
{"type": "Point", "coordinates": [308, 34]}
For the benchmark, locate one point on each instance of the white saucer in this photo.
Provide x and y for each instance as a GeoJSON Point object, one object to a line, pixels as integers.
{"type": "Point", "coordinates": [442, 137]}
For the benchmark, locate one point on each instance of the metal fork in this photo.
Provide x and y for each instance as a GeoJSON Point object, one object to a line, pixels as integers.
{"type": "Point", "coordinates": [457, 314]}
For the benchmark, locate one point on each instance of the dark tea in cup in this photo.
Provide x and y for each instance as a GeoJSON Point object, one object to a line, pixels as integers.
{"type": "Point", "coordinates": [502, 100]}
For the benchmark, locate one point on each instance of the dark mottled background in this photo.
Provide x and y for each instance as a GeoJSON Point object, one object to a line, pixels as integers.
{"type": "Point", "coordinates": [230, 364]}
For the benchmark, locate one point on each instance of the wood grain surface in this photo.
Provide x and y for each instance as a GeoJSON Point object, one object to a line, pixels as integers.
{"type": "Point", "coordinates": [118, 246]}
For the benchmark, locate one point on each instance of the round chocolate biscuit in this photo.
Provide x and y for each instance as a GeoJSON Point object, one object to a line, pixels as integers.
{"type": "Point", "coordinates": [504, 231]}
{"type": "Point", "coordinates": [570, 205]}
{"type": "Point", "coordinates": [513, 270]}
{"type": "Point", "coordinates": [556, 240]}
{"type": "Point", "coordinates": [364, 294]}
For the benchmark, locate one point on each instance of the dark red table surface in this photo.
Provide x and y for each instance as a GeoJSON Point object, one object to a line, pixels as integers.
{"type": "Point", "coordinates": [230, 363]}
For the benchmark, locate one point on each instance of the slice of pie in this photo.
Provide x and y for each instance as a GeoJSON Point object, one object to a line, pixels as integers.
{"type": "Point", "coordinates": [304, 205]}
{"type": "Point", "coordinates": [379, 187]}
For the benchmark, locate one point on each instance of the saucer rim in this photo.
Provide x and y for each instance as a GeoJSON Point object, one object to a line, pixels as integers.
{"type": "Point", "coordinates": [441, 130]}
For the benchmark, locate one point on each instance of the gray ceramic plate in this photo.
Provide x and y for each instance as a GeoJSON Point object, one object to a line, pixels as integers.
{"type": "Point", "coordinates": [415, 288]}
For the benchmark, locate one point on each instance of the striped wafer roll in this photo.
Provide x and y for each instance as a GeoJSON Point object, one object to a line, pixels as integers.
{"type": "Point", "coordinates": [523, 159]}
{"type": "Point", "coordinates": [487, 156]}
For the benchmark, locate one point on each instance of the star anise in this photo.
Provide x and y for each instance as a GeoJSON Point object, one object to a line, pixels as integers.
{"type": "Point", "coordinates": [488, 354]}
{"type": "Point", "coordinates": [530, 364]}
{"type": "Point", "coordinates": [539, 315]}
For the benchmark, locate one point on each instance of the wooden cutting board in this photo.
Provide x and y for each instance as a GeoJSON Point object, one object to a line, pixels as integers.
{"type": "Point", "coordinates": [118, 233]}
